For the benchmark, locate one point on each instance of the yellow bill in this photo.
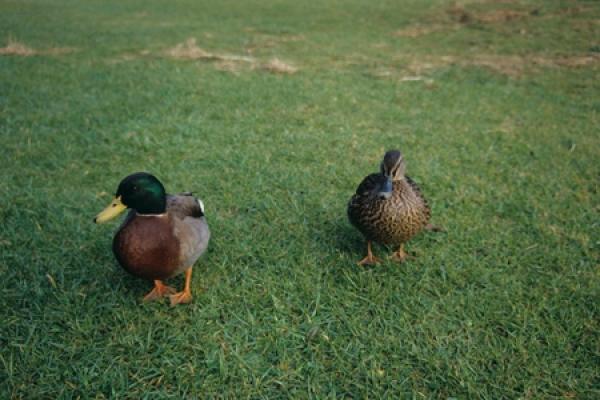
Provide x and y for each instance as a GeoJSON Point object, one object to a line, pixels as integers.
{"type": "Point", "coordinates": [115, 208]}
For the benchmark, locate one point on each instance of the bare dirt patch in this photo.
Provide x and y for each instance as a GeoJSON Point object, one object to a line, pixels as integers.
{"type": "Point", "coordinates": [15, 48]}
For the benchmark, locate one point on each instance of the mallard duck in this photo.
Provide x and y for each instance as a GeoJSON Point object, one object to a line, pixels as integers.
{"type": "Point", "coordinates": [162, 236]}
{"type": "Point", "coordinates": [388, 208]}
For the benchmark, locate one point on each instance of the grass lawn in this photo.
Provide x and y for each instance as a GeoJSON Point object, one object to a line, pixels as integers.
{"type": "Point", "coordinates": [272, 112]}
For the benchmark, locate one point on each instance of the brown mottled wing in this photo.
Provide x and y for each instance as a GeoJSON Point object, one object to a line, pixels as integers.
{"type": "Point", "coordinates": [419, 194]}
{"type": "Point", "coordinates": [370, 183]}
{"type": "Point", "coordinates": [359, 206]}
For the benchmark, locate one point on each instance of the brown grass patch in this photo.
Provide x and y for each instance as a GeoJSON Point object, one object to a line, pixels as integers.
{"type": "Point", "coordinates": [577, 61]}
{"type": "Point", "coordinates": [383, 73]}
{"type": "Point", "coordinates": [57, 51]}
{"type": "Point", "coordinates": [231, 67]}
{"type": "Point", "coordinates": [277, 66]}
{"type": "Point", "coordinates": [190, 51]}
{"type": "Point", "coordinates": [459, 14]}
{"type": "Point", "coordinates": [515, 66]}
{"type": "Point", "coordinates": [15, 48]}
{"type": "Point", "coordinates": [259, 41]}
{"type": "Point", "coordinates": [463, 17]}
{"type": "Point", "coordinates": [414, 31]}
{"type": "Point", "coordinates": [499, 16]}
{"type": "Point", "coordinates": [507, 126]}
{"type": "Point", "coordinates": [420, 65]}
{"type": "Point", "coordinates": [573, 10]}
{"type": "Point", "coordinates": [125, 57]}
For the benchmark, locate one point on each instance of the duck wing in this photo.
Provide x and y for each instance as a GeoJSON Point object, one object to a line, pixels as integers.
{"type": "Point", "coordinates": [417, 190]}
{"type": "Point", "coordinates": [190, 226]}
{"type": "Point", "coordinates": [370, 183]}
{"type": "Point", "coordinates": [184, 205]}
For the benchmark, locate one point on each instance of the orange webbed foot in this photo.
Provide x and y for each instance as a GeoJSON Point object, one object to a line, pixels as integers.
{"type": "Point", "coordinates": [184, 296]}
{"type": "Point", "coordinates": [160, 290]}
{"type": "Point", "coordinates": [370, 260]}
{"type": "Point", "coordinates": [180, 298]}
{"type": "Point", "coordinates": [400, 256]}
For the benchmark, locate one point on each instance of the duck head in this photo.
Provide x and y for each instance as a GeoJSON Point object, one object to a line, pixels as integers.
{"type": "Point", "coordinates": [392, 168]}
{"type": "Point", "coordinates": [141, 192]}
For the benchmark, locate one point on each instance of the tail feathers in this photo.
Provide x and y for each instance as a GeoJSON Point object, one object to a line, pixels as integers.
{"type": "Point", "coordinates": [201, 205]}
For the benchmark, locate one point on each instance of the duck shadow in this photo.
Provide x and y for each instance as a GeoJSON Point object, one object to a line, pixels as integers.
{"type": "Point", "coordinates": [350, 246]}
{"type": "Point", "coordinates": [132, 288]}
{"type": "Point", "coordinates": [344, 245]}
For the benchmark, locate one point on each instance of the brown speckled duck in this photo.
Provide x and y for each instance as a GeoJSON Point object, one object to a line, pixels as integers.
{"type": "Point", "coordinates": [388, 208]}
{"type": "Point", "coordinates": [162, 236]}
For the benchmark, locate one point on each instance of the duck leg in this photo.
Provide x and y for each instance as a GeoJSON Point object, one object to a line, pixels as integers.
{"type": "Point", "coordinates": [370, 259]}
{"type": "Point", "coordinates": [186, 295]}
{"type": "Point", "coordinates": [160, 290]}
{"type": "Point", "coordinates": [400, 255]}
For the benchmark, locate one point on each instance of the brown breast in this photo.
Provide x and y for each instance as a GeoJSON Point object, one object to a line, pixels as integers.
{"type": "Point", "coordinates": [392, 221]}
{"type": "Point", "coordinates": [404, 215]}
{"type": "Point", "coordinates": [147, 247]}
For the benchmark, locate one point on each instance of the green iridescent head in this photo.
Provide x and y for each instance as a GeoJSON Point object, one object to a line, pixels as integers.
{"type": "Point", "coordinates": [141, 192]}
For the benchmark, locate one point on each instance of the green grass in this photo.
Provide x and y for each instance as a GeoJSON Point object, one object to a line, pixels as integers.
{"type": "Point", "coordinates": [504, 304]}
